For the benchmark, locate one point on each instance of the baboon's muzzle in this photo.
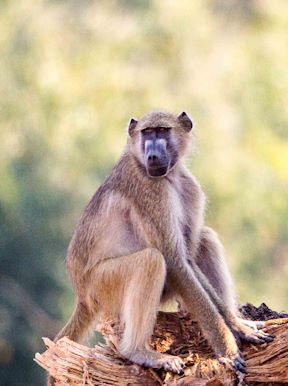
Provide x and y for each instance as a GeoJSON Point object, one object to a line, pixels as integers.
{"type": "Point", "coordinates": [157, 160]}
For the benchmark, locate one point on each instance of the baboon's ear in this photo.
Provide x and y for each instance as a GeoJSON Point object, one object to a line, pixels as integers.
{"type": "Point", "coordinates": [132, 124]}
{"type": "Point", "coordinates": [185, 121]}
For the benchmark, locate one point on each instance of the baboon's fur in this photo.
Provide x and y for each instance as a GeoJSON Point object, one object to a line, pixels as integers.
{"type": "Point", "coordinates": [141, 240]}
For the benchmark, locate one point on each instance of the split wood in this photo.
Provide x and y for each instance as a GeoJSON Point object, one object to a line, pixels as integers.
{"type": "Point", "coordinates": [73, 364]}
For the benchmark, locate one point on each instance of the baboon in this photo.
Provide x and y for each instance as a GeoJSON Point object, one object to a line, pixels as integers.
{"type": "Point", "coordinates": [141, 240]}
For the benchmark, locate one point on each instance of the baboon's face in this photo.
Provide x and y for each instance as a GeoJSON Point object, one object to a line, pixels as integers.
{"type": "Point", "coordinates": [158, 140]}
{"type": "Point", "coordinates": [156, 147]}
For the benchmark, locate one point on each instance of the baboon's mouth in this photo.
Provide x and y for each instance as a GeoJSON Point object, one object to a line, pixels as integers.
{"type": "Point", "coordinates": [159, 171]}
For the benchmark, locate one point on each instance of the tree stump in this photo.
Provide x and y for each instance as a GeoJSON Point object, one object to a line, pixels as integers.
{"type": "Point", "coordinates": [175, 333]}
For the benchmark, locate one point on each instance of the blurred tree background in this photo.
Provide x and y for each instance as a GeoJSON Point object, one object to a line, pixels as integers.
{"type": "Point", "coordinates": [72, 73]}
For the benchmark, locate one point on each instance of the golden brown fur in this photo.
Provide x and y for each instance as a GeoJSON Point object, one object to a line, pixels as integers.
{"type": "Point", "coordinates": [143, 239]}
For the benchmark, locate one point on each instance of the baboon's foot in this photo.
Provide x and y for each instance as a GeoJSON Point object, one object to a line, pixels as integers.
{"type": "Point", "coordinates": [255, 324]}
{"type": "Point", "coordinates": [157, 360]}
{"type": "Point", "coordinates": [246, 331]}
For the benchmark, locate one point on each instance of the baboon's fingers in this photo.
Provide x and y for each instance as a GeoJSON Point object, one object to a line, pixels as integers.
{"type": "Point", "coordinates": [237, 362]}
{"type": "Point", "coordinates": [237, 365]}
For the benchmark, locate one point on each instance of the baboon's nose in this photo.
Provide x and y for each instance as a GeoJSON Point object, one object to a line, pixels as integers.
{"type": "Point", "coordinates": [154, 159]}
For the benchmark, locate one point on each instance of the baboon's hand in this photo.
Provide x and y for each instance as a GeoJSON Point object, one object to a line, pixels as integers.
{"type": "Point", "coordinates": [231, 356]}
{"type": "Point", "coordinates": [246, 333]}
{"type": "Point", "coordinates": [234, 360]}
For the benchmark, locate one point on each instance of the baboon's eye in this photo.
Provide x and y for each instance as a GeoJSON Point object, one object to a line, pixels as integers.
{"type": "Point", "coordinates": [147, 131]}
{"type": "Point", "coordinates": [164, 129]}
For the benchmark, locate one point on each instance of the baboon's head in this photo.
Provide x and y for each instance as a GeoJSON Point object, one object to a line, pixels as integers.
{"type": "Point", "coordinates": [159, 140]}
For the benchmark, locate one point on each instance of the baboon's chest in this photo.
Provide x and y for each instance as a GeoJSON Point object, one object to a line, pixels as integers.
{"type": "Point", "coordinates": [167, 213]}
{"type": "Point", "coordinates": [184, 212]}
{"type": "Point", "coordinates": [176, 206]}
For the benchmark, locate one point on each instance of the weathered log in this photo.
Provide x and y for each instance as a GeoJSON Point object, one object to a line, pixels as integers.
{"type": "Point", "coordinates": [175, 333]}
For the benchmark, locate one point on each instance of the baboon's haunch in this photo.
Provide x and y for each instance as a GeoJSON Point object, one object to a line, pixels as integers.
{"type": "Point", "coordinates": [141, 240]}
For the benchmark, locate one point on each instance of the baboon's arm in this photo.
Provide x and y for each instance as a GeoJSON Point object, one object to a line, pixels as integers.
{"type": "Point", "coordinates": [198, 302]}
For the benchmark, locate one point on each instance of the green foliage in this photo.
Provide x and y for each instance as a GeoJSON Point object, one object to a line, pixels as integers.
{"type": "Point", "coordinates": [72, 73]}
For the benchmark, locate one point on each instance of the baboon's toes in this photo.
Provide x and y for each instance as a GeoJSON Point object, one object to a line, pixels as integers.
{"type": "Point", "coordinates": [174, 364]}
{"type": "Point", "coordinates": [257, 337]}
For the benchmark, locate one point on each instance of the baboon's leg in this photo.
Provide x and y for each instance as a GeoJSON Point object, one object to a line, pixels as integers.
{"type": "Point", "coordinates": [134, 285]}
{"type": "Point", "coordinates": [212, 264]}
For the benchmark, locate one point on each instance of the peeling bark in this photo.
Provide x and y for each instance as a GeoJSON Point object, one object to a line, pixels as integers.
{"type": "Point", "coordinates": [175, 333]}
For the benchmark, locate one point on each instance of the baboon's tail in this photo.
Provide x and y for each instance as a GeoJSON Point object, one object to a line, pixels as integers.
{"type": "Point", "coordinates": [77, 326]}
